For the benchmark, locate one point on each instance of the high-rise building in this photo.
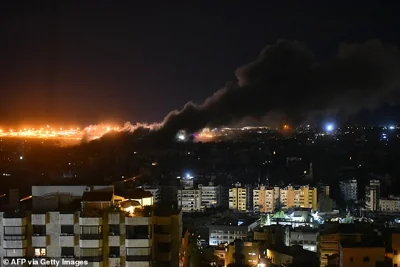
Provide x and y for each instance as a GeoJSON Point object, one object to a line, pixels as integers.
{"type": "Point", "coordinates": [100, 227]}
{"type": "Point", "coordinates": [268, 199]}
{"type": "Point", "coordinates": [298, 196]}
{"type": "Point", "coordinates": [372, 194]}
{"type": "Point", "coordinates": [189, 200]}
{"type": "Point", "coordinates": [239, 198]}
{"type": "Point", "coordinates": [264, 199]}
{"type": "Point", "coordinates": [211, 195]}
{"type": "Point", "coordinates": [323, 189]}
{"type": "Point", "coordinates": [348, 190]}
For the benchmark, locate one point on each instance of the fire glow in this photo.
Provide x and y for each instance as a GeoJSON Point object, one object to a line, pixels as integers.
{"type": "Point", "coordinates": [75, 134]}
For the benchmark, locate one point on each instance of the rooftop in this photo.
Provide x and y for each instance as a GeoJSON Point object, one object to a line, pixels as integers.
{"type": "Point", "coordinates": [292, 251]}
{"type": "Point", "coordinates": [344, 228]}
{"type": "Point", "coordinates": [235, 221]}
{"type": "Point", "coordinates": [97, 196]}
{"type": "Point", "coordinates": [367, 243]}
{"type": "Point", "coordinates": [134, 194]}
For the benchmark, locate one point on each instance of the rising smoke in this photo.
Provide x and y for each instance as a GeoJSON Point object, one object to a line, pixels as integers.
{"type": "Point", "coordinates": [287, 79]}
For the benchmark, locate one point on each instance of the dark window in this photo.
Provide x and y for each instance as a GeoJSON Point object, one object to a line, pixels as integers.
{"type": "Point", "coordinates": [114, 229]}
{"type": "Point", "coordinates": [164, 247]}
{"type": "Point", "coordinates": [161, 229]}
{"type": "Point", "coordinates": [39, 230]}
{"type": "Point", "coordinates": [67, 252]}
{"type": "Point", "coordinates": [14, 232]}
{"type": "Point", "coordinates": [114, 252]}
{"type": "Point", "coordinates": [137, 232]}
{"type": "Point", "coordinates": [67, 230]}
{"type": "Point", "coordinates": [351, 259]}
{"type": "Point", "coordinates": [366, 259]}
{"type": "Point", "coordinates": [395, 252]}
{"type": "Point", "coordinates": [395, 265]}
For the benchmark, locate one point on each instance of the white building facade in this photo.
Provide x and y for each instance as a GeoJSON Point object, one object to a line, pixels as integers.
{"type": "Point", "coordinates": [189, 200]}
{"type": "Point", "coordinates": [210, 195]}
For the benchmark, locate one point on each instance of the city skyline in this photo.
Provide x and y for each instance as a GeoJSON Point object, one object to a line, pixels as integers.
{"type": "Point", "coordinates": [89, 63]}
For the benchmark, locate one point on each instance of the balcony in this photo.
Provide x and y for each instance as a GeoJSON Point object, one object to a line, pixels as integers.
{"type": "Point", "coordinates": [138, 243]}
{"type": "Point", "coordinates": [114, 218]}
{"type": "Point", "coordinates": [39, 241]}
{"type": "Point", "coordinates": [22, 243]}
{"type": "Point", "coordinates": [91, 243]}
{"type": "Point", "coordinates": [67, 218]}
{"type": "Point", "coordinates": [90, 218]}
{"type": "Point", "coordinates": [138, 220]}
{"type": "Point", "coordinates": [67, 241]}
{"type": "Point", "coordinates": [38, 219]}
{"type": "Point", "coordinates": [114, 241]}
{"type": "Point", "coordinates": [14, 221]}
{"type": "Point", "coordinates": [114, 262]}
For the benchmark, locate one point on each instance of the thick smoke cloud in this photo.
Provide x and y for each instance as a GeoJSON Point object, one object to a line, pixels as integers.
{"type": "Point", "coordinates": [288, 79]}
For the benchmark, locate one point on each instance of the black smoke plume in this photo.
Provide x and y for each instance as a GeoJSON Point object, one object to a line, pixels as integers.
{"type": "Point", "coordinates": [288, 79]}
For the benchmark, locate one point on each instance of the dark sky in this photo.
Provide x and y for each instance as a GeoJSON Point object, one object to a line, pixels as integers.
{"type": "Point", "coordinates": [92, 61]}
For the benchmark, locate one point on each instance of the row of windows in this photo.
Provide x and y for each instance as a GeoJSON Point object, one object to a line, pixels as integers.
{"type": "Point", "coordinates": [134, 232]}
{"type": "Point", "coordinates": [88, 252]}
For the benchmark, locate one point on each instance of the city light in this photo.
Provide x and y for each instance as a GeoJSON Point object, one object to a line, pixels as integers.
{"type": "Point", "coordinates": [181, 136]}
{"type": "Point", "coordinates": [329, 127]}
{"type": "Point", "coordinates": [392, 127]}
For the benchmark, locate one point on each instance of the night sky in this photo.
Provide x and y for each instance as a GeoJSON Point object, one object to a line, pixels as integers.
{"type": "Point", "coordinates": [86, 62]}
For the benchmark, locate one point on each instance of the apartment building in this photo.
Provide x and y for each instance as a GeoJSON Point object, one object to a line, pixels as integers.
{"type": "Point", "coordinates": [366, 254]}
{"type": "Point", "coordinates": [305, 237]}
{"type": "Point", "coordinates": [240, 197]}
{"type": "Point", "coordinates": [210, 195]}
{"type": "Point", "coordinates": [372, 194]}
{"type": "Point", "coordinates": [226, 231]}
{"type": "Point", "coordinates": [189, 200]}
{"type": "Point", "coordinates": [348, 190]}
{"type": "Point", "coordinates": [331, 235]}
{"type": "Point", "coordinates": [243, 253]}
{"type": "Point", "coordinates": [389, 204]}
{"type": "Point", "coordinates": [298, 196]}
{"type": "Point", "coordinates": [264, 199]}
{"type": "Point", "coordinates": [268, 199]}
{"type": "Point", "coordinates": [100, 227]}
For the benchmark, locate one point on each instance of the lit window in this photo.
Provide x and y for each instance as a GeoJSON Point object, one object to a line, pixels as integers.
{"type": "Point", "coordinates": [40, 252]}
